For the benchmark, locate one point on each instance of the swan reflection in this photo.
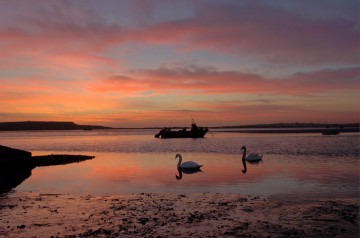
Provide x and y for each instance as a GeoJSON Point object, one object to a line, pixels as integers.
{"type": "Point", "coordinates": [186, 171]}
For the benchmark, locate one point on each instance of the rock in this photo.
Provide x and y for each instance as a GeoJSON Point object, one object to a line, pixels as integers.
{"type": "Point", "coordinates": [21, 226]}
{"type": "Point", "coordinates": [143, 220]}
{"type": "Point", "coordinates": [14, 157]}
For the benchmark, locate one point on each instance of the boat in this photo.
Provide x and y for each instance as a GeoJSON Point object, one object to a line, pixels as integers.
{"type": "Point", "coordinates": [330, 132]}
{"type": "Point", "coordinates": [194, 132]}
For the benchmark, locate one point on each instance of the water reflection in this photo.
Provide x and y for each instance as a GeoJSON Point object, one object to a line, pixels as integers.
{"type": "Point", "coordinates": [186, 171]}
{"type": "Point", "coordinates": [112, 173]}
{"type": "Point", "coordinates": [11, 177]}
{"type": "Point", "coordinates": [244, 165]}
{"type": "Point", "coordinates": [244, 170]}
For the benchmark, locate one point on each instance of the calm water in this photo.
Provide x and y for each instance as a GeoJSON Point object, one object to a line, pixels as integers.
{"type": "Point", "coordinates": [133, 161]}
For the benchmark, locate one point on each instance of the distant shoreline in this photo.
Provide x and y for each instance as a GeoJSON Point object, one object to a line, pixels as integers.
{"type": "Point", "coordinates": [258, 128]}
{"type": "Point", "coordinates": [45, 125]}
{"type": "Point", "coordinates": [290, 130]}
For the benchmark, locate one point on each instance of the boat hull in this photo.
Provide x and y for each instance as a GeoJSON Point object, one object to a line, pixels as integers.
{"type": "Point", "coordinates": [182, 134]}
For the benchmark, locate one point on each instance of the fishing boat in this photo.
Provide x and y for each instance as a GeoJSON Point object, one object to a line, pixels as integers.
{"type": "Point", "coordinates": [330, 132]}
{"type": "Point", "coordinates": [194, 132]}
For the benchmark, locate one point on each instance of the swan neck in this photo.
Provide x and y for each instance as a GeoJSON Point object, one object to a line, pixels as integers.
{"type": "Point", "coordinates": [244, 154]}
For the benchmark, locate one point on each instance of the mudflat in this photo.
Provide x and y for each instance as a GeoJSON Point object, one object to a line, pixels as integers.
{"type": "Point", "coordinates": [175, 215]}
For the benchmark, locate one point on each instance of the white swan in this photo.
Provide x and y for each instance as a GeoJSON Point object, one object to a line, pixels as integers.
{"type": "Point", "coordinates": [187, 164]}
{"type": "Point", "coordinates": [251, 158]}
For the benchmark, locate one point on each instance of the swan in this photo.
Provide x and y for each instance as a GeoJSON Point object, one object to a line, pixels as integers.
{"type": "Point", "coordinates": [187, 164]}
{"type": "Point", "coordinates": [251, 158]}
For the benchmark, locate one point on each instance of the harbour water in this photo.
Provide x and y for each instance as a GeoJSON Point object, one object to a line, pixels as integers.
{"type": "Point", "coordinates": [133, 161]}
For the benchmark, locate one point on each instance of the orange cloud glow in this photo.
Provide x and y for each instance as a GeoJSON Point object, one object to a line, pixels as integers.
{"type": "Point", "coordinates": [139, 64]}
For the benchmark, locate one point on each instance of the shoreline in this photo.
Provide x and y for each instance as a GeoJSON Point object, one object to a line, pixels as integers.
{"type": "Point", "coordinates": [175, 215]}
{"type": "Point", "coordinates": [290, 130]}
{"type": "Point", "coordinates": [222, 130]}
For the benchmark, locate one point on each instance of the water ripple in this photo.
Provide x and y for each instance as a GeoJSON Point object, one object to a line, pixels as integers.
{"type": "Point", "coordinates": [344, 145]}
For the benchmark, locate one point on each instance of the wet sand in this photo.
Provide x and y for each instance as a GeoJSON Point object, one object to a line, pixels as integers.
{"type": "Point", "coordinates": [174, 215]}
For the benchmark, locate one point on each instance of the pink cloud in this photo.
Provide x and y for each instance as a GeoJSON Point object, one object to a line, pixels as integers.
{"type": "Point", "coordinates": [64, 58]}
{"type": "Point", "coordinates": [329, 80]}
{"type": "Point", "coordinates": [265, 32]}
{"type": "Point", "coordinates": [247, 112]}
{"type": "Point", "coordinates": [205, 80]}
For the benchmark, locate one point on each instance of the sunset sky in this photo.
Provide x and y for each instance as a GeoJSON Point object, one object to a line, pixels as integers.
{"type": "Point", "coordinates": [135, 63]}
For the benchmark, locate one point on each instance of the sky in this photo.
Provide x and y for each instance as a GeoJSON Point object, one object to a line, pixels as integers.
{"type": "Point", "coordinates": [135, 63]}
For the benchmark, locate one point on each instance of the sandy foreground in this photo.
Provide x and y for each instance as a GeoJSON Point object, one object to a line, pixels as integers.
{"type": "Point", "coordinates": [174, 215]}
